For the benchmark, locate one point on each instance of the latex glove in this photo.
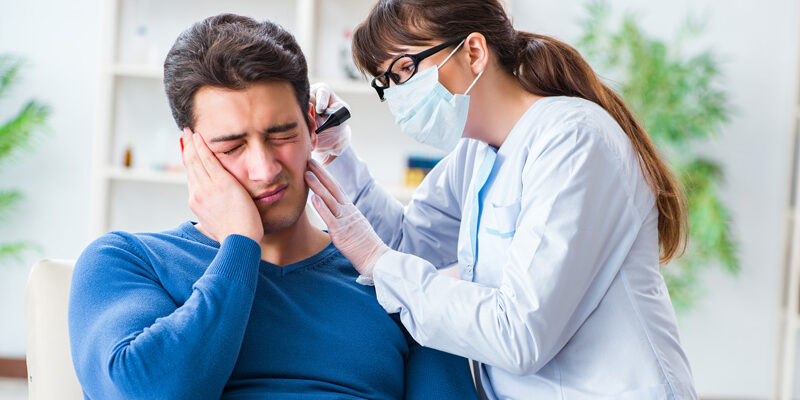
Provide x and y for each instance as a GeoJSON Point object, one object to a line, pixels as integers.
{"type": "Point", "coordinates": [222, 205]}
{"type": "Point", "coordinates": [350, 231]}
{"type": "Point", "coordinates": [331, 142]}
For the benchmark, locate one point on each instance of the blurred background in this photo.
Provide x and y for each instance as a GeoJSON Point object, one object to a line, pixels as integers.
{"type": "Point", "coordinates": [88, 145]}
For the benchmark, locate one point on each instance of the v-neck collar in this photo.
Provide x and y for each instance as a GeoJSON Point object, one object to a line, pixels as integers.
{"type": "Point", "coordinates": [330, 250]}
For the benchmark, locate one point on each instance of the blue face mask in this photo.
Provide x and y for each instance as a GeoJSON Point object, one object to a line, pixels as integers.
{"type": "Point", "coordinates": [426, 111]}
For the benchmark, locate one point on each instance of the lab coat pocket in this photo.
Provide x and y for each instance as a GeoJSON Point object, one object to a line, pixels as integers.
{"type": "Point", "coordinates": [503, 219]}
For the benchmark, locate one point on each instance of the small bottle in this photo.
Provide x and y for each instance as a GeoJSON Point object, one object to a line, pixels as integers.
{"type": "Point", "coordinates": [128, 157]}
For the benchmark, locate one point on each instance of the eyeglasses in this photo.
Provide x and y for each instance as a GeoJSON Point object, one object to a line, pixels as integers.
{"type": "Point", "coordinates": [405, 66]}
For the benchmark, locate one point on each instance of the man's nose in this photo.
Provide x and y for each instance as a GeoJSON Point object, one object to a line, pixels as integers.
{"type": "Point", "coordinates": [262, 164]}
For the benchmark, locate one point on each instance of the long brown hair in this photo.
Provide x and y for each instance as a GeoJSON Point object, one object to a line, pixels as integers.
{"type": "Point", "coordinates": [543, 66]}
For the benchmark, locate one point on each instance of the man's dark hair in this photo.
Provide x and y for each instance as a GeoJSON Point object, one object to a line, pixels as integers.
{"type": "Point", "coordinates": [232, 52]}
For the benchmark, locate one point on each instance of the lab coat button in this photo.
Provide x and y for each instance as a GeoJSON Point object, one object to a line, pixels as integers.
{"type": "Point", "coordinates": [469, 269]}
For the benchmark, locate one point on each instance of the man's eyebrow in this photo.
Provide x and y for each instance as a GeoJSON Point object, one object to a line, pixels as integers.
{"type": "Point", "coordinates": [271, 130]}
{"type": "Point", "coordinates": [281, 128]}
{"type": "Point", "coordinates": [228, 138]}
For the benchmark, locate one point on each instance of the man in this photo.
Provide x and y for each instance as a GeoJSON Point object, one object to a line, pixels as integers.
{"type": "Point", "coordinates": [253, 301]}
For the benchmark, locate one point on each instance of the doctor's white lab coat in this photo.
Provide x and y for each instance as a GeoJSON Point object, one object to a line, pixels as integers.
{"type": "Point", "coordinates": [555, 234]}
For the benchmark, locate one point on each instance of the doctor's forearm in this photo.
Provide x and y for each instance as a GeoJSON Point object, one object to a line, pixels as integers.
{"type": "Point", "coordinates": [456, 316]}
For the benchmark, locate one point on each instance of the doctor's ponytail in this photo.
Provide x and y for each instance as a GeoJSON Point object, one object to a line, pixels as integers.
{"type": "Point", "coordinates": [548, 67]}
{"type": "Point", "coordinates": [543, 66]}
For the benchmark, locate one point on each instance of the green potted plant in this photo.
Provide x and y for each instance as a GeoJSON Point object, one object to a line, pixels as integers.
{"type": "Point", "coordinates": [16, 135]}
{"type": "Point", "coordinates": [679, 100]}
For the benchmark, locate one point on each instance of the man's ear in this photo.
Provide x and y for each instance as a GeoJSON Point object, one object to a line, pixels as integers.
{"type": "Point", "coordinates": [312, 123]}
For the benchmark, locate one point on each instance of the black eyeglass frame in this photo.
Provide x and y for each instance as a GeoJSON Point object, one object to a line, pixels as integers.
{"type": "Point", "coordinates": [416, 59]}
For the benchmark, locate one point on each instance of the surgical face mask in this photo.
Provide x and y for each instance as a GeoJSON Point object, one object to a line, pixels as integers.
{"type": "Point", "coordinates": [427, 112]}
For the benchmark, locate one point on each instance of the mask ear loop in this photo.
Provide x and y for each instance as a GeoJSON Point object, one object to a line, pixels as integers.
{"type": "Point", "coordinates": [474, 82]}
{"type": "Point", "coordinates": [448, 58]}
{"type": "Point", "coordinates": [451, 54]}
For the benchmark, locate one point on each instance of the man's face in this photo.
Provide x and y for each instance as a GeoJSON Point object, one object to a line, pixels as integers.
{"type": "Point", "coordinates": [260, 136]}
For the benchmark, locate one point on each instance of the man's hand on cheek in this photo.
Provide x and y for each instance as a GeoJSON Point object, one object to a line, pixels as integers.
{"type": "Point", "coordinates": [222, 205]}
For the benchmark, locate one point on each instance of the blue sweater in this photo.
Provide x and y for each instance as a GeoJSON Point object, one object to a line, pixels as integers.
{"type": "Point", "coordinates": [176, 315]}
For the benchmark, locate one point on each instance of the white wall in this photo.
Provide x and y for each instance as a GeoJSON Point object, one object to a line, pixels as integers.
{"type": "Point", "coordinates": [729, 337]}
{"type": "Point", "coordinates": [60, 41]}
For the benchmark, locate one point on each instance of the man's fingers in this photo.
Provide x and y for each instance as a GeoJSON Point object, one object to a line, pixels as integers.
{"type": "Point", "coordinates": [328, 181]}
{"type": "Point", "coordinates": [194, 167]}
{"type": "Point", "coordinates": [191, 173]}
{"type": "Point", "coordinates": [321, 191]}
{"type": "Point", "coordinates": [207, 157]}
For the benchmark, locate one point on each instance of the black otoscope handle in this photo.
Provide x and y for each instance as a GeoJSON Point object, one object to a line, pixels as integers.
{"type": "Point", "coordinates": [336, 119]}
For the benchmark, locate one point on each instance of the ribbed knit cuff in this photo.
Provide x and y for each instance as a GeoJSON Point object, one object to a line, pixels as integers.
{"type": "Point", "coordinates": [238, 259]}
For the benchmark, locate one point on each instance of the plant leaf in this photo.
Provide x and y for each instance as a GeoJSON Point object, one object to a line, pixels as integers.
{"type": "Point", "coordinates": [9, 70]}
{"type": "Point", "coordinates": [7, 201]}
{"type": "Point", "coordinates": [15, 250]}
{"type": "Point", "coordinates": [18, 132]}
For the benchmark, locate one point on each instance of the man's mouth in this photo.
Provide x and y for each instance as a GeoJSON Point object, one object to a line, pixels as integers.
{"type": "Point", "coordinates": [271, 196]}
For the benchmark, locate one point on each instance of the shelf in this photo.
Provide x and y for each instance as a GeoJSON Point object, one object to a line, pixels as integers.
{"type": "Point", "coordinates": [348, 86]}
{"type": "Point", "coordinates": [145, 176]}
{"type": "Point", "coordinates": [137, 71]}
{"type": "Point", "coordinates": [400, 192]}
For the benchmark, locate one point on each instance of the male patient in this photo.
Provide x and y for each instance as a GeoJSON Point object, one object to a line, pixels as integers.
{"type": "Point", "coordinates": [252, 301]}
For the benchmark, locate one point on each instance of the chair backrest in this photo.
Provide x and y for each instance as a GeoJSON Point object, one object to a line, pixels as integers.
{"type": "Point", "coordinates": [50, 371]}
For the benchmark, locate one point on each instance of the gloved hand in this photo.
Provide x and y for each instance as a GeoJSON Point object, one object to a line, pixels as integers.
{"type": "Point", "coordinates": [350, 231]}
{"type": "Point", "coordinates": [331, 142]}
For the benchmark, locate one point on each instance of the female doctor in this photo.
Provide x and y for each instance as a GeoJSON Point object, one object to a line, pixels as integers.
{"type": "Point", "coordinates": [552, 200]}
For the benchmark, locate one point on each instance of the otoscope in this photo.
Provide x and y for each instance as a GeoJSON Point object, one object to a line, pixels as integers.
{"type": "Point", "coordinates": [336, 119]}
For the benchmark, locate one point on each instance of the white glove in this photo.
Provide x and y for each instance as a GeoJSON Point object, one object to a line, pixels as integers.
{"type": "Point", "coordinates": [350, 231]}
{"type": "Point", "coordinates": [331, 142]}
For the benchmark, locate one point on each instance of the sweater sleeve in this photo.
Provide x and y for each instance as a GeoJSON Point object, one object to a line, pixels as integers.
{"type": "Point", "coordinates": [129, 339]}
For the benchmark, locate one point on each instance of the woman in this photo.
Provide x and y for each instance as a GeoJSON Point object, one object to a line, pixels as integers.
{"type": "Point", "coordinates": [553, 202]}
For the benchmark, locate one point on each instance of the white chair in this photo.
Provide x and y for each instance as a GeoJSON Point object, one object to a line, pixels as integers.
{"type": "Point", "coordinates": [50, 371]}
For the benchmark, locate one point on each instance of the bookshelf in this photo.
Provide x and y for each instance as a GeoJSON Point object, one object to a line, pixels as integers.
{"type": "Point", "coordinates": [786, 359]}
{"type": "Point", "coordinates": [133, 112]}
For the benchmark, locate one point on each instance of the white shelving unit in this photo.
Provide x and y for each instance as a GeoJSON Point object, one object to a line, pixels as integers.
{"type": "Point", "coordinates": [133, 110]}
{"type": "Point", "coordinates": [786, 373]}
{"type": "Point", "coordinates": [787, 356]}
{"type": "Point", "coordinates": [133, 105]}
